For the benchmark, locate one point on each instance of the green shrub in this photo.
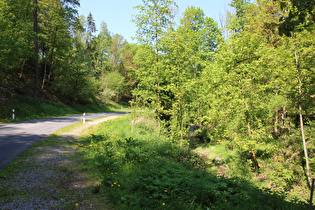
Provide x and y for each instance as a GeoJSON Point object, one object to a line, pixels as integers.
{"type": "Point", "coordinates": [138, 173]}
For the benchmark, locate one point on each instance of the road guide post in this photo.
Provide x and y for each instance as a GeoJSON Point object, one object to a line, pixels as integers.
{"type": "Point", "coordinates": [83, 118]}
{"type": "Point", "coordinates": [13, 116]}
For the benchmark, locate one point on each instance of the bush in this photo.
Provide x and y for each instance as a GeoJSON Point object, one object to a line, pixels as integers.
{"type": "Point", "coordinates": [140, 174]}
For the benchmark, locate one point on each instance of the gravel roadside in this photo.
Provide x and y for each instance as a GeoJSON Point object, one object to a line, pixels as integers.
{"type": "Point", "coordinates": [49, 175]}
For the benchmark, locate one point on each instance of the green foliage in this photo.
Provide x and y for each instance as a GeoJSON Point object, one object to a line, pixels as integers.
{"type": "Point", "coordinates": [113, 86]}
{"type": "Point", "coordinates": [137, 173]}
{"type": "Point", "coordinates": [153, 20]}
{"type": "Point", "coordinates": [237, 19]}
{"type": "Point", "coordinates": [243, 92]}
{"type": "Point", "coordinates": [72, 60]}
{"type": "Point", "coordinates": [300, 13]}
{"type": "Point", "coordinates": [43, 105]}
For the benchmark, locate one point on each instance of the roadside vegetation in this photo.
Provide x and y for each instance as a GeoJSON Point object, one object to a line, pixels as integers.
{"type": "Point", "coordinates": [137, 172]}
{"type": "Point", "coordinates": [50, 174]}
{"type": "Point", "coordinates": [28, 106]}
{"type": "Point", "coordinates": [226, 112]}
{"type": "Point", "coordinates": [119, 164]}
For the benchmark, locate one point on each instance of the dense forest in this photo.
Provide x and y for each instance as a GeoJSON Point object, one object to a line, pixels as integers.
{"type": "Point", "coordinates": [72, 62]}
{"type": "Point", "coordinates": [247, 82]}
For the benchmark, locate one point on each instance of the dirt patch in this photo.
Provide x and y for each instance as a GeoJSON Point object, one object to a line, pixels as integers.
{"type": "Point", "coordinates": [217, 161]}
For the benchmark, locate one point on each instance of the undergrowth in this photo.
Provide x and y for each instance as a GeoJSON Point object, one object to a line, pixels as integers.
{"type": "Point", "coordinates": [27, 107]}
{"type": "Point", "coordinates": [139, 173]}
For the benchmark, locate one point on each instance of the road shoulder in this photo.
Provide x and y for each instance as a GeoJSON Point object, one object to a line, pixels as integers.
{"type": "Point", "coordinates": [52, 174]}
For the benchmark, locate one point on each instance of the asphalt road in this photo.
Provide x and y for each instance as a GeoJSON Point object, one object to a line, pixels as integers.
{"type": "Point", "coordinates": [17, 137]}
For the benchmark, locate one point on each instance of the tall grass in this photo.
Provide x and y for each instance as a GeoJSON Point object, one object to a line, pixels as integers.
{"type": "Point", "coordinates": [139, 173]}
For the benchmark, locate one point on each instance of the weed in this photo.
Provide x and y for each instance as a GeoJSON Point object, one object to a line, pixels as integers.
{"type": "Point", "coordinates": [137, 173]}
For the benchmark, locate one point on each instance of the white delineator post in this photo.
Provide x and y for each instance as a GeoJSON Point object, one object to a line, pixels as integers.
{"type": "Point", "coordinates": [83, 118]}
{"type": "Point", "coordinates": [13, 116]}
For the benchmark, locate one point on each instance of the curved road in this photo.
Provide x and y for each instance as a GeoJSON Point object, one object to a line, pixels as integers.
{"type": "Point", "coordinates": [17, 137]}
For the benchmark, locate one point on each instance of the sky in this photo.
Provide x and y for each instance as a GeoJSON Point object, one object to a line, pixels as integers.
{"type": "Point", "coordinates": [117, 14]}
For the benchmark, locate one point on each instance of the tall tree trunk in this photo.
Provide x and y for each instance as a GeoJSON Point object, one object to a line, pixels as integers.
{"type": "Point", "coordinates": [251, 153]}
{"type": "Point", "coordinates": [35, 43]}
{"type": "Point", "coordinates": [283, 117]}
{"type": "Point", "coordinates": [158, 85]}
{"type": "Point", "coordinates": [249, 131]}
{"type": "Point", "coordinates": [308, 172]}
{"type": "Point", "coordinates": [22, 69]}
{"type": "Point", "coordinates": [276, 125]}
{"type": "Point", "coordinates": [44, 75]}
{"type": "Point", "coordinates": [195, 67]}
{"type": "Point", "coordinates": [180, 124]}
{"type": "Point", "coordinates": [50, 65]}
{"type": "Point", "coordinates": [52, 57]}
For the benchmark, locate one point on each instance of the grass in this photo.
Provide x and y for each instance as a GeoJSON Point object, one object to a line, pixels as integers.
{"type": "Point", "coordinates": [30, 107]}
{"type": "Point", "coordinates": [126, 166]}
{"type": "Point", "coordinates": [280, 168]}
{"type": "Point", "coordinates": [138, 173]}
{"type": "Point", "coordinates": [46, 175]}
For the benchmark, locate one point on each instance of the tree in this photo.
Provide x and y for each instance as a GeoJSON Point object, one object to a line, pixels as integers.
{"type": "Point", "coordinates": [113, 86]}
{"type": "Point", "coordinates": [145, 93]}
{"type": "Point", "coordinates": [187, 51]}
{"type": "Point", "coordinates": [30, 25]}
{"type": "Point", "coordinates": [153, 20]}
{"type": "Point", "coordinates": [17, 41]}
{"type": "Point", "coordinates": [90, 42]}
{"type": "Point", "coordinates": [248, 83]}
{"type": "Point", "coordinates": [202, 36]}
{"type": "Point", "coordinates": [300, 12]}
{"type": "Point", "coordinates": [35, 44]}
{"type": "Point", "coordinates": [118, 43]}
{"type": "Point", "coordinates": [129, 52]}
{"type": "Point", "coordinates": [237, 20]}
{"type": "Point", "coordinates": [178, 61]}
{"type": "Point", "coordinates": [54, 36]}
{"type": "Point", "coordinates": [103, 52]}
{"type": "Point", "coordinates": [91, 27]}
{"type": "Point", "coordinates": [299, 21]}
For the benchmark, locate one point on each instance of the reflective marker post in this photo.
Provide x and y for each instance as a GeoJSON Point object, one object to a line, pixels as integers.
{"type": "Point", "coordinates": [83, 118]}
{"type": "Point", "coordinates": [13, 116]}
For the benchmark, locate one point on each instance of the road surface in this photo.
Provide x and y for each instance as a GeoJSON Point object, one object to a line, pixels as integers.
{"type": "Point", "coordinates": [17, 137]}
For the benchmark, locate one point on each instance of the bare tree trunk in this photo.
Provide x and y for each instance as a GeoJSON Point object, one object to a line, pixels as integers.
{"type": "Point", "coordinates": [283, 117]}
{"type": "Point", "coordinates": [44, 76]}
{"type": "Point", "coordinates": [276, 129]}
{"type": "Point", "coordinates": [158, 85]}
{"type": "Point", "coordinates": [22, 69]}
{"type": "Point", "coordinates": [195, 67]}
{"type": "Point", "coordinates": [251, 153]}
{"type": "Point", "coordinates": [308, 172]}
{"type": "Point", "coordinates": [180, 119]}
{"type": "Point", "coordinates": [52, 57]}
{"type": "Point", "coordinates": [35, 43]}
{"type": "Point", "coordinates": [248, 125]}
